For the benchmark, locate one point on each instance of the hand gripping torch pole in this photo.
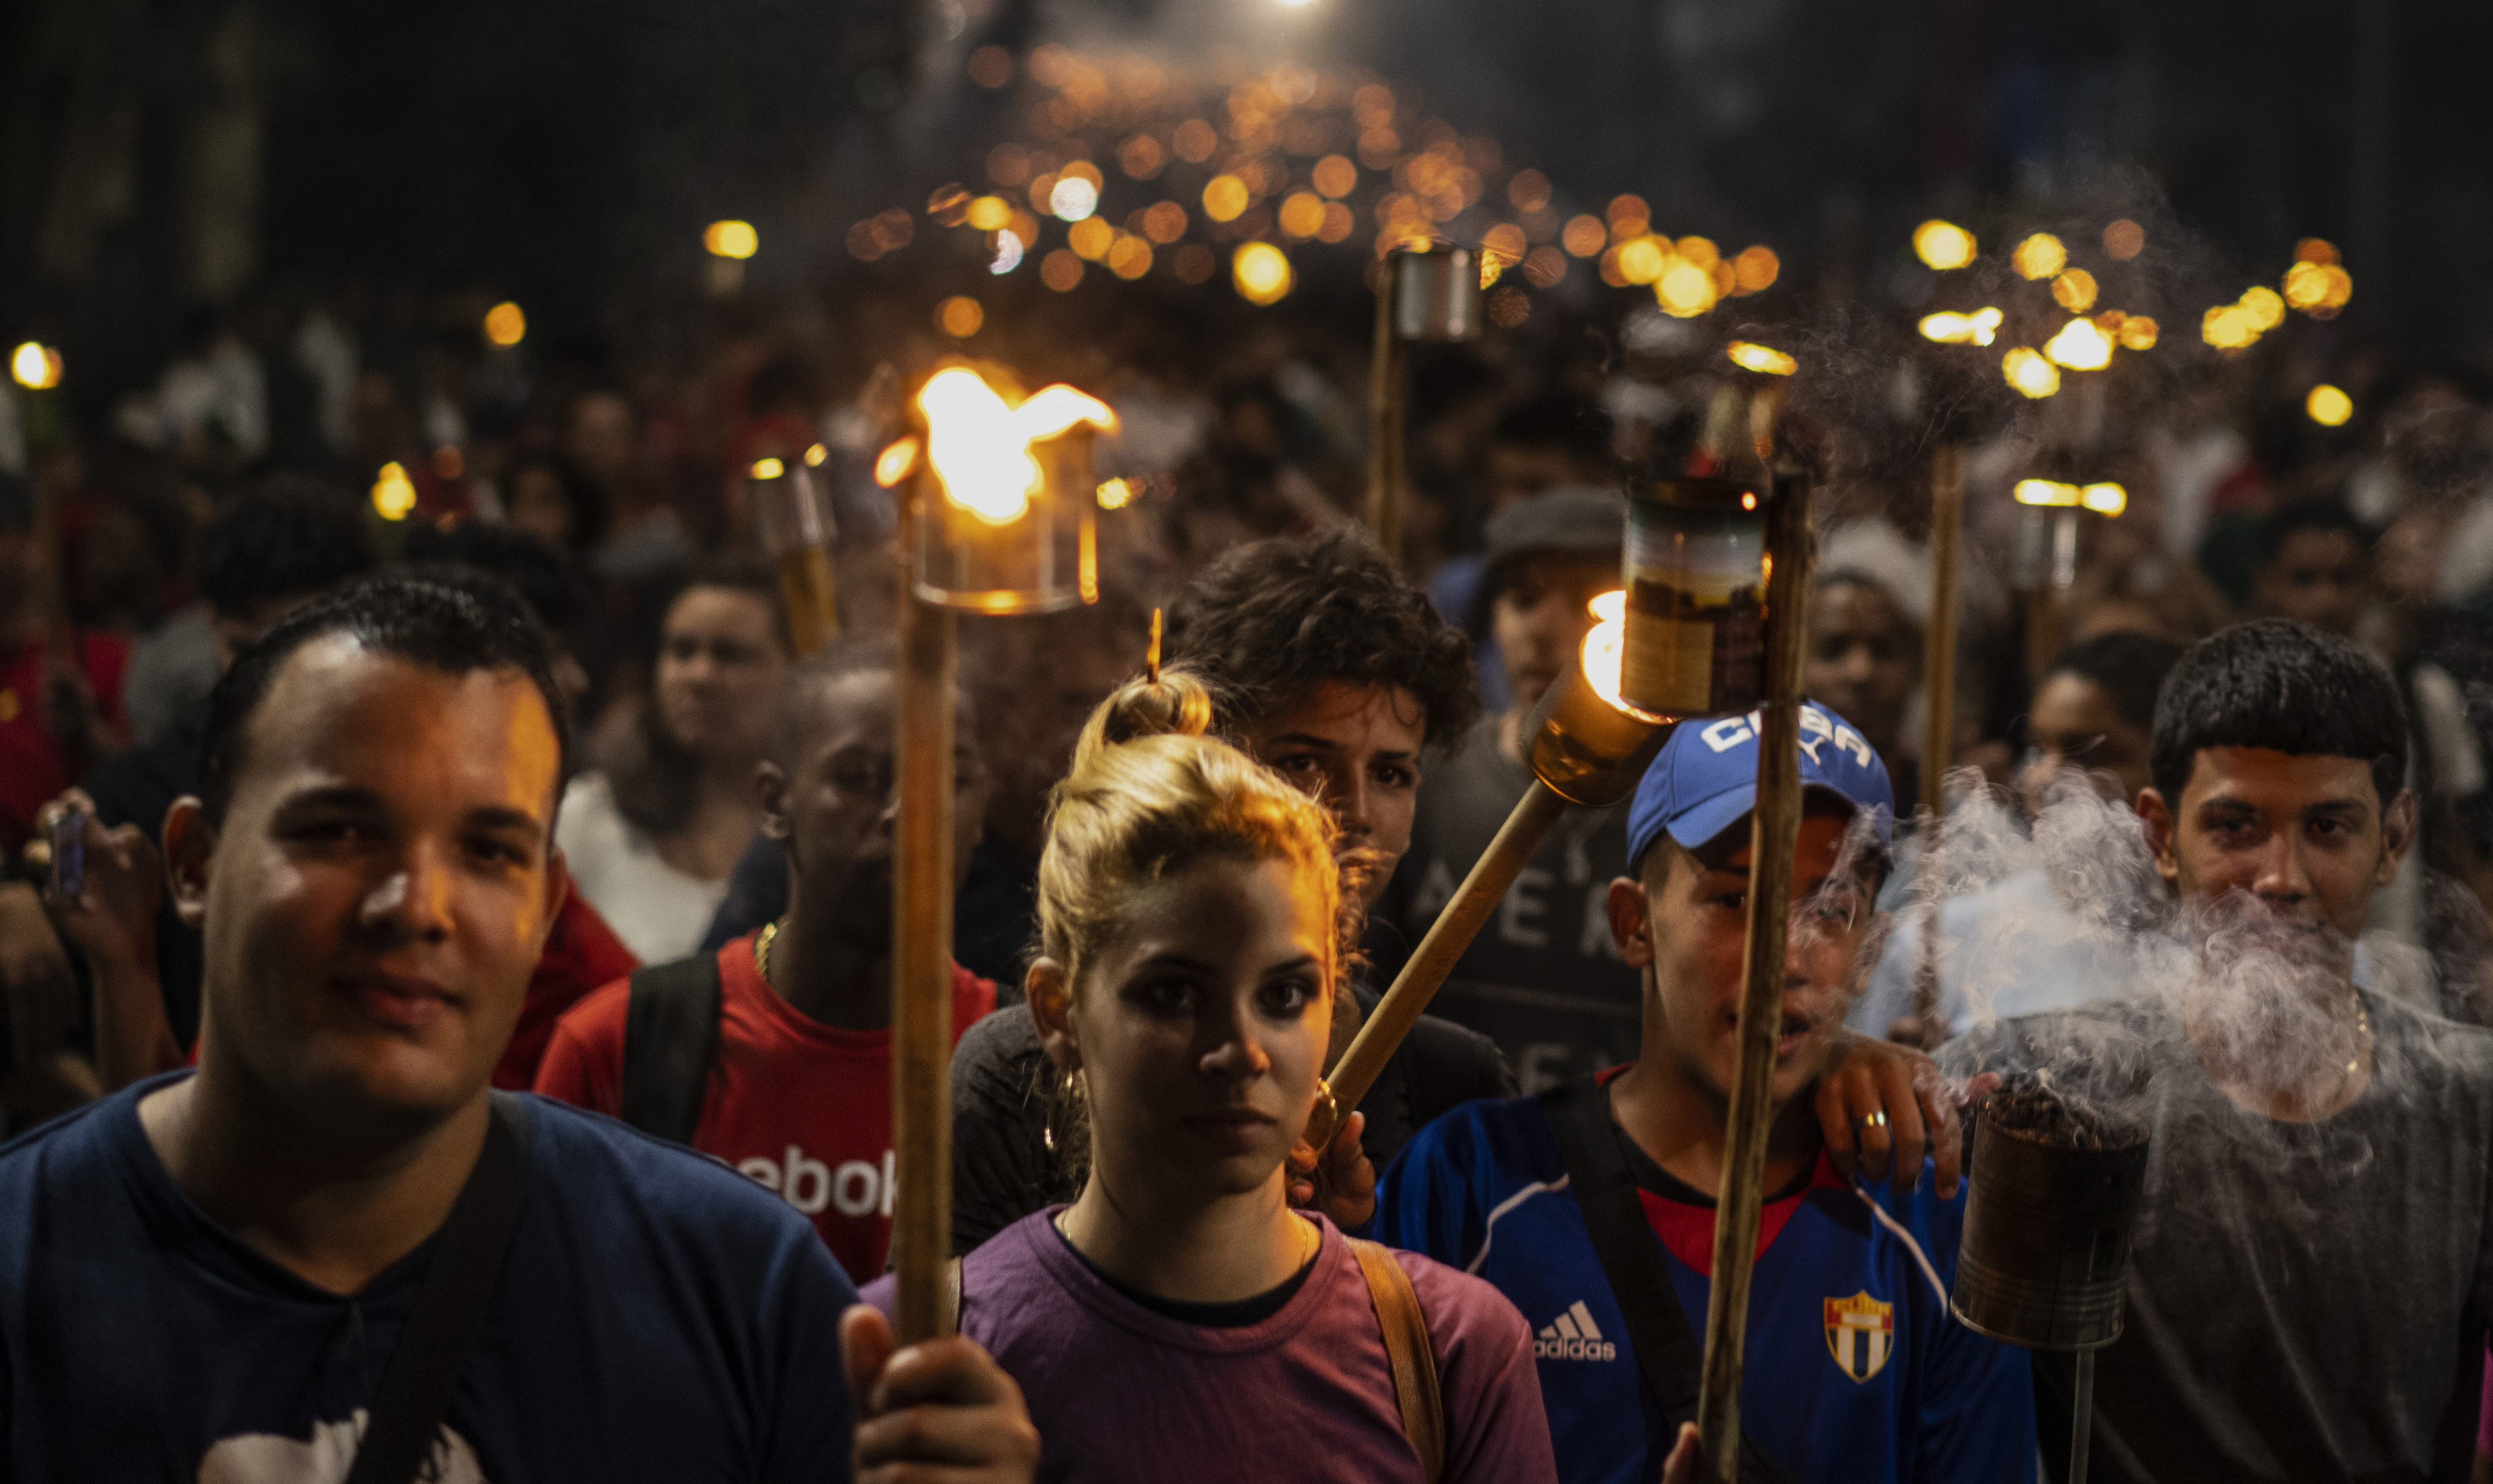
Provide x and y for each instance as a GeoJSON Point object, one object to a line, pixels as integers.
{"type": "Point", "coordinates": [1774, 838]}
{"type": "Point", "coordinates": [1586, 749]}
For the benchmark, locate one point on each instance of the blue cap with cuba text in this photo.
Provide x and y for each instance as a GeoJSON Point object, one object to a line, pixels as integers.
{"type": "Point", "coordinates": [1705, 779]}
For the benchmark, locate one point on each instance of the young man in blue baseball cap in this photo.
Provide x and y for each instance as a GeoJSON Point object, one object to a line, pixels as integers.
{"type": "Point", "coordinates": [1591, 1207]}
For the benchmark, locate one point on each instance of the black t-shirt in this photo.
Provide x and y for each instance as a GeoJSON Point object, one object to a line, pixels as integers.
{"type": "Point", "coordinates": [1544, 979]}
{"type": "Point", "coordinates": [1002, 1168]}
{"type": "Point", "coordinates": [2305, 1300]}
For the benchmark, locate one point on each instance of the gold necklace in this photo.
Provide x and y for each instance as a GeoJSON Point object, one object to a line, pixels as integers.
{"type": "Point", "coordinates": [762, 943]}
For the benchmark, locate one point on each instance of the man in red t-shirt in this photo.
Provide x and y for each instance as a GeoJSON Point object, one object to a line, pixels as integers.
{"type": "Point", "coordinates": [799, 1091]}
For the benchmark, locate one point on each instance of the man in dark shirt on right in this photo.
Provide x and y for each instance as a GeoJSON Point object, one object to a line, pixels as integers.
{"type": "Point", "coordinates": [2310, 1270]}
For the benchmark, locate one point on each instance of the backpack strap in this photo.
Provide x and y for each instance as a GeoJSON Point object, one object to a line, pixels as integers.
{"type": "Point", "coordinates": [669, 1036]}
{"type": "Point", "coordinates": [1667, 1350]}
{"type": "Point", "coordinates": [1407, 1352]}
{"type": "Point", "coordinates": [422, 1374]}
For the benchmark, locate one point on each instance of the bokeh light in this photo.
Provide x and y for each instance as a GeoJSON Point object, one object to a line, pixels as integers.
{"type": "Point", "coordinates": [989, 213]}
{"type": "Point", "coordinates": [1116, 493]}
{"type": "Point", "coordinates": [2074, 290]}
{"type": "Point", "coordinates": [1764, 359]}
{"type": "Point", "coordinates": [1585, 236]}
{"type": "Point", "coordinates": [393, 493]}
{"type": "Point", "coordinates": [2228, 327]}
{"type": "Point", "coordinates": [505, 326]}
{"type": "Point", "coordinates": [2124, 240]}
{"type": "Point", "coordinates": [1060, 270]}
{"type": "Point", "coordinates": [1261, 273]}
{"type": "Point", "coordinates": [2328, 406]}
{"type": "Point", "coordinates": [1684, 290]}
{"type": "Point", "coordinates": [960, 316]}
{"type": "Point", "coordinates": [1090, 238]}
{"type": "Point", "coordinates": [731, 239]}
{"type": "Point", "coordinates": [1008, 253]}
{"type": "Point", "coordinates": [1756, 269]}
{"type": "Point", "coordinates": [2137, 333]}
{"type": "Point", "coordinates": [2039, 256]}
{"type": "Point", "coordinates": [1335, 176]}
{"type": "Point", "coordinates": [1073, 199]}
{"type": "Point", "coordinates": [2029, 372]}
{"type": "Point", "coordinates": [2265, 306]}
{"type": "Point", "coordinates": [1130, 257]}
{"type": "Point", "coordinates": [1943, 245]}
{"type": "Point", "coordinates": [1950, 328]}
{"type": "Point", "coordinates": [1225, 197]}
{"type": "Point", "coordinates": [1164, 222]}
{"type": "Point", "coordinates": [35, 366]}
{"type": "Point", "coordinates": [1303, 214]}
{"type": "Point", "coordinates": [2080, 345]}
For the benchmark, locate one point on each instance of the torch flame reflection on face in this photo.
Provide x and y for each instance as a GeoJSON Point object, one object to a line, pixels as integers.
{"type": "Point", "coordinates": [979, 446]}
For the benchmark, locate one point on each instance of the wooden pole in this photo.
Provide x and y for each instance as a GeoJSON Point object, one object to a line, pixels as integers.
{"type": "Point", "coordinates": [1464, 913]}
{"type": "Point", "coordinates": [1938, 686]}
{"type": "Point", "coordinates": [1386, 390]}
{"type": "Point", "coordinates": [921, 966]}
{"type": "Point", "coordinates": [1774, 838]}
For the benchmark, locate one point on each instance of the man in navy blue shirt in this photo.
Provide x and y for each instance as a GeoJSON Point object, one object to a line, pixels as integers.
{"type": "Point", "coordinates": [1856, 1373]}
{"type": "Point", "coordinates": [206, 1276]}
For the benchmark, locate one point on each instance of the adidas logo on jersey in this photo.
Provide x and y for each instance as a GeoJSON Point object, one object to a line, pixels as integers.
{"type": "Point", "coordinates": [1573, 1336]}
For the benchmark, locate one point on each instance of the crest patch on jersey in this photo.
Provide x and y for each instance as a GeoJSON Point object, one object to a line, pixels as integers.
{"type": "Point", "coordinates": [1860, 1334]}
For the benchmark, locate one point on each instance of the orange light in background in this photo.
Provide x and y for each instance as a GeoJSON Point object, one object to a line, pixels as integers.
{"type": "Point", "coordinates": [2124, 240]}
{"type": "Point", "coordinates": [1943, 245]}
{"type": "Point", "coordinates": [960, 316]}
{"type": "Point", "coordinates": [2049, 493]}
{"type": "Point", "coordinates": [2137, 333]}
{"type": "Point", "coordinates": [448, 462]}
{"type": "Point", "coordinates": [2039, 256]}
{"type": "Point", "coordinates": [1643, 259]}
{"type": "Point", "coordinates": [1261, 273]}
{"type": "Point", "coordinates": [989, 213]}
{"type": "Point", "coordinates": [2228, 327]}
{"type": "Point", "coordinates": [2328, 406]}
{"type": "Point", "coordinates": [1756, 269]}
{"type": "Point", "coordinates": [35, 366]}
{"type": "Point", "coordinates": [2029, 372]}
{"type": "Point", "coordinates": [991, 67]}
{"type": "Point", "coordinates": [1528, 190]}
{"type": "Point", "coordinates": [1090, 238]}
{"type": "Point", "coordinates": [2105, 498]}
{"type": "Point", "coordinates": [505, 326]}
{"type": "Point", "coordinates": [815, 456]}
{"type": "Point", "coordinates": [731, 239]}
{"type": "Point", "coordinates": [948, 205]}
{"type": "Point", "coordinates": [1303, 214]}
{"type": "Point", "coordinates": [979, 447]}
{"type": "Point", "coordinates": [2265, 306]}
{"type": "Point", "coordinates": [893, 463]}
{"type": "Point", "coordinates": [1584, 236]}
{"type": "Point", "coordinates": [1224, 198]}
{"type": "Point", "coordinates": [1141, 157]}
{"type": "Point", "coordinates": [2316, 250]}
{"type": "Point", "coordinates": [1194, 142]}
{"type": "Point", "coordinates": [1116, 494]}
{"type": "Point", "coordinates": [1060, 270]}
{"type": "Point", "coordinates": [2080, 345]}
{"type": "Point", "coordinates": [1699, 250]}
{"type": "Point", "coordinates": [1335, 176]}
{"type": "Point", "coordinates": [1009, 250]}
{"type": "Point", "coordinates": [393, 493]}
{"type": "Point", "coordinates": [1072, 199]}
{"type": "Point", "coordinates": [1130, 257]}
{"type": "Point", "coordinates": [1949, 328]}
{"type": "Point", "coordinates": [1760, 358]}
{"type": "Point", "coordinates": [1164, 222]}
{"type": "Point", "coordinates": [2074, 290]}
{"type": "Point", "coordinates": [1684, 290]}
{"type": "Point", "coordinates": [768, 468]}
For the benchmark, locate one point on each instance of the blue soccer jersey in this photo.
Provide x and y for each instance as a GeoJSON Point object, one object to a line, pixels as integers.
{"type": "Point", "coordinates": [1856, 1373]}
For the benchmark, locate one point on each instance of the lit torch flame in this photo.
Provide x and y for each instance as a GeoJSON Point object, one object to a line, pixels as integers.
{"type": "Point", "coordinates": [1603, 647]}
{"type": "Point", "coordinates": [979, 446]}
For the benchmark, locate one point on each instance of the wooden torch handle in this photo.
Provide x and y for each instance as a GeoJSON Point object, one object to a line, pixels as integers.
{"type": "Point", "coordinates": [1435, 959]}
{"type": "Point", "coordinates": [1773, 841]}
{"type": "Point", "coordinates": [1387, 385]}
{"type": "Point", "coordinates": [1938, 685]}
{"type": "Point", "coordinates": [921, 969]}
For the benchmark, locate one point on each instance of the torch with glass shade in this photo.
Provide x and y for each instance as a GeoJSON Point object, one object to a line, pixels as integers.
{"type": "Point", "coordinates": [998, 500]}
{"type": "Point", "coordinates": [798, 532]}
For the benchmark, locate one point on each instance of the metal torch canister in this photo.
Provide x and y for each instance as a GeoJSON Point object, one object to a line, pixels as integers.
{"type": "Point", "coordinates": [1436, 293]}
{"type": "Point", "coordinates": [1696, 606]}
{"type": "Point", "coordinates": [2046, 1252]}
{"type": "Point", "coordinates": [797, 533]}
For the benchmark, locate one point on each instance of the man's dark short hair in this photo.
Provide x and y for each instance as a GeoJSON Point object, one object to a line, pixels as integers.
{"type": "Point", "coordinates": [2311, 513]}
{"type": "Point", "coordinates": [289, 538]}
{"type": "Point", "coordinates": [2285, 687]}
{"type": "Point", "coordinates": [425, 623]}
{"type": "Point", "coordinates": [1269, 621]}
{"type": "Point", "coordinates": [2129, 669]}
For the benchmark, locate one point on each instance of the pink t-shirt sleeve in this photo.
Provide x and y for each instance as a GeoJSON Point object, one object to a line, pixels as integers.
{"type": "Point", "coordinates": [1495, 1427]}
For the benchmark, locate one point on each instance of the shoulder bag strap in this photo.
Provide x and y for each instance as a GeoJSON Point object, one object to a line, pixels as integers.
{"type": "Point", "coordinates": [1667, 1350]}
{"type": "Point", "coordinates": [424, 1367]}
{"type": "Point", "coordinates": [670, 1034]}
{"type": "Point", "coordinates": [1407, 1352]}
